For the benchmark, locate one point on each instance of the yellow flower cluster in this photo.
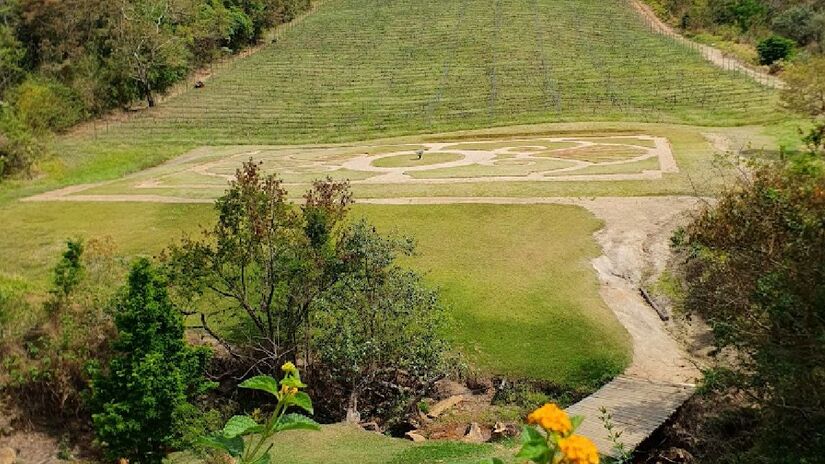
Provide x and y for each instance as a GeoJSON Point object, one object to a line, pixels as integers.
{"type": "Point", "coordinates": [285, 390]}
{"type": "Point", "coordinates": [551, 418]}
{"type": "Point", "coordinates": [288, 367]}
{"type": "Point", "coordinates": [578, 450]}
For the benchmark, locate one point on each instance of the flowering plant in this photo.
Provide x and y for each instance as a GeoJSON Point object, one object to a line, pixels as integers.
{"type": "Point", "coordinates": [230, 440]}
{"type": "Point", "coordinates": [549, 438]}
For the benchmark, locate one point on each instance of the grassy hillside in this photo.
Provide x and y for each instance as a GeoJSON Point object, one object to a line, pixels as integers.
{"type": "Point", "coordinates": [357, 69]}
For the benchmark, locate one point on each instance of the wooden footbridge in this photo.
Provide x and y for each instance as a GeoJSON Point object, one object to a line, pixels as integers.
{"type": "Point", "coordinates": [638, 407]}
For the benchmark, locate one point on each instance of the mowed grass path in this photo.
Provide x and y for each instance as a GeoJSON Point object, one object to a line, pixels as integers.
{"type": "Point", "coordinates": [516, 278]}
{"type": "Point", "coordinates": [361, 69]}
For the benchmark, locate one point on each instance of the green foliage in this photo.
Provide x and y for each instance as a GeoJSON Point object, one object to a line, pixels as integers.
{"type": "Point", "coordinates": [12, 55]}
{"type": "Point", "coordinates": [266, 260]}
{"type": "Point", "coordinates": [19, 149]}
{"type": "Point", "coordinates": [755, 269]}
{"type": "Point", "coordinates": [287, 392]}
{"type": "Point", "coordinates": [379, 324]}
{"type": "Point", "coordinates": [805, 89]}
{"type": "Point", "coordinates": [46, 105]}
{"type": "Point", "coordinates": [304, 282]}
{"type": "Point", "coordinates": [89, 55]}
{"type": "Point", "coordinates": [69, 271]}
{"type": "Point", "coordinates": [139, 399]}
{"type": "Point", "coordinates": [803, 23]}
{"type": "Point", "coordinates": [775, 48]}
{"type": "Point", "coordinates": [743, 13]}
{"type": "Point", "coordinates": [46, 364]}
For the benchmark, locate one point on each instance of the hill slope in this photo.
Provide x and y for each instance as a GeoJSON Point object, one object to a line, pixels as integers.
{"type": "Point", "coordinates": [357, 69]}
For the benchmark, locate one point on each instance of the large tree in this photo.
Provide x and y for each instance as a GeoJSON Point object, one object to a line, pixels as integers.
{"type": "Point", "coordinates": [148, 47]}
{"type": "Point", "coordinates": [266, 261]}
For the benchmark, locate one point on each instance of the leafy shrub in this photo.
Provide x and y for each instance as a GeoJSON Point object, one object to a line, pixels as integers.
{"type": "Point", "coordinates": [755, 269]}
{"type": "Point", "coordinates": [290, 282]}
{"type": "Point", "coordinates": [18, 147]}
{"type": "Point", "coordinates": [805, 87]}
{"type": "Point", "coordinates": [140, 399]}
{"type": "Point", "coordinates": [775, 48]}
{"type": "Point", "coordinates": [47, 105]}
{"type": "Point", "coordinates": [800, 23]}
{"type": "Point", "coordinates": [379, 327]}
{"type": "Point", "coordinates": [12, 54]}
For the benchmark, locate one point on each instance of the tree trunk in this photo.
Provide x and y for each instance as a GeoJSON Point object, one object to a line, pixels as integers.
{"type": "Point", "coordinates": [150, 99]}
{"type": "Point", "coordinates": [353, 416]}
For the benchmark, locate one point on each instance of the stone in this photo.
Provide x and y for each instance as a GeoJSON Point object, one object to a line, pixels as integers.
{"type": "Point", "coordinates": [371, 427]}
{"type": "Point", "coordinates": [415, 436]}
{"type": "Point", "coordinates": [474, 434]}
{"type": "Point", "coordinates": [439, 408]}
{"type": "Point", "coordinates": [447, 388]}
{"type": "Point", "coordinates": [502, 430]}
{"type": "Point", "coordinates": [7, 456]}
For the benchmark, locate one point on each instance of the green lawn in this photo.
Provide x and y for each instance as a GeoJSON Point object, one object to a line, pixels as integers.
{"type": "Point", "coordinates": [346, 444]}
{"type": "Point", "coordinates": [517, 279]}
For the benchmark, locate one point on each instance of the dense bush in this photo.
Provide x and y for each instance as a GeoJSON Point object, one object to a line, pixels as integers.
{"type": "Point", "coordinates": [805, 89]}
{"type": "Point", "coordinates": [19, 149]}
{"type": "Point", "coordinates": [379, 327]}
{"type": "Point", "coordinates": [749, 21]}
{"type": "Point", "coordinates": [300, 283]}
{"type": "Point", "coordinates": [774, 48]}
{"type": "Point", "coordinates": [141, 400]}
{"type": "Point", "coordinates": [802, 23]}
{"type": "Point", "coordinates": [46, 105]}
{"type": "Point", "coordinates": [755, 269]}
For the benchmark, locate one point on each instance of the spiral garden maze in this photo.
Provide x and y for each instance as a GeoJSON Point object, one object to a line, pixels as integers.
{"type": "Point", "coordinates": [207, 170]}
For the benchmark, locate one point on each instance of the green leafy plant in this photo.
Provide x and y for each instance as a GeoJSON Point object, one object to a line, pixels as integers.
{"type": "Point", "coordinates": [550, 438]}
{"type": "Point", "coordinates": [141, 400]}
{"type": "Point", "coordinates": [775, 48]}
{"type": "Point", "coordinates": [257, 449]}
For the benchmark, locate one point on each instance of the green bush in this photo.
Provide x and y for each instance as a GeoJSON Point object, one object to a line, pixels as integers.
{"type": "Point", "coordinates": [775, 48]}
{"type": "Point", "coordinates": [19, 149]}
{"type": "Point", "coordinates": [140, 401]}
{"type": "Point", "coordinates": [755, 270]}
{"type": "Point", "coordinates": [47, 105]}
{"type": "Point", "coordinates": [379, 326]}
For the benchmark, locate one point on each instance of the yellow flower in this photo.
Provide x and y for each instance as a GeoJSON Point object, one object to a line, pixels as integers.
{"type": "Point", "coordinates": [288, 367]}
{"type": "Point", "coordinates": [287, 390]}
{"type": "Point", "coordinates": [551, 418]}
{"type": "Point", "coordinates": [578, 450]}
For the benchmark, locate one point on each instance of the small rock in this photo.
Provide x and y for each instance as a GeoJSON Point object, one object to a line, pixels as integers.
{"type": "Point", "coordinates": [415, 436]}
{"type": "Point", "coordinates": [371, 427]}
{"type": "Point", "coordinates": [503, 430]}
{"type": "Point", "coordinates": [447, 388]}
{"type": "Point", "coordinates": [474, 434]}
{"type": "Point", "coordinates": [7, 456]}
{"type": "Point", "coordinates": [438, 408]}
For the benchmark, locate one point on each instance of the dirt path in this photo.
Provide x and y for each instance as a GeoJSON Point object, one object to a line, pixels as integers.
{"type": "Point", "coordinates": [714, 55]}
